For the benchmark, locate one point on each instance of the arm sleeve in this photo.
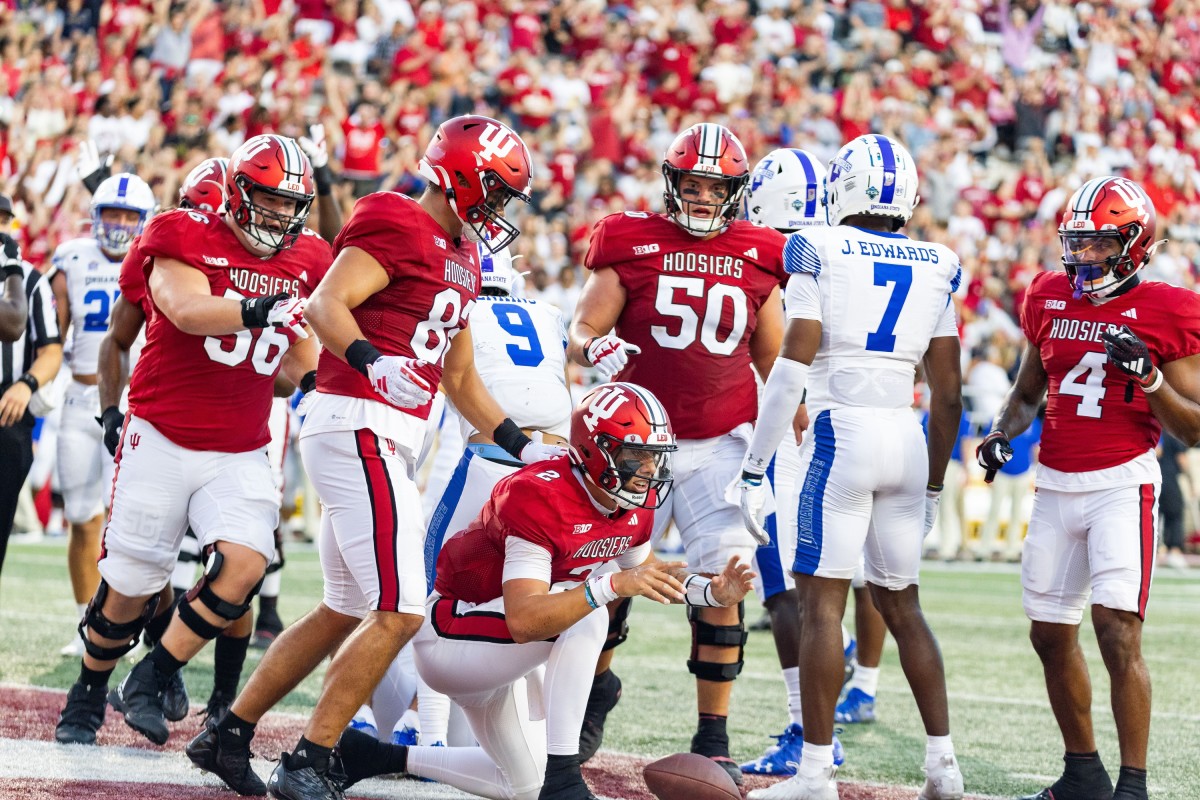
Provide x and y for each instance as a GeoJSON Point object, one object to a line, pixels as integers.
{"type": "Point", "coordinates": [524, 559]}
{"type": "Point", "coordinates": [43, 321]}
{"type": "Point", "coordinates": [634, 556]}
{"type": "Point", "coordinates": [802, 300]}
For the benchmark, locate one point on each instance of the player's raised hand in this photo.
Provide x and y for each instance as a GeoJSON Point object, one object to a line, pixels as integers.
{"type": "Point", "coordinates": [314, 146]}
{"type": "Point", "coordinates": [733, 584]}
{"type": "Point", "coordinates": [653, 580]}
{"type": "Point", "coordinates": [749, 493]}
{"type": "Point", "coordinates": [609, 354]}
{"type": "Point", "coordinates": [537, 450]}
{"type": "Point", "coordinates": [397, 380]}
{"type": "Point", "coordinates": [92, 171]}
{"type": "Point", "coordinates": [1129, 354]}
{"type": "Point", "coordinates": [993, 453]}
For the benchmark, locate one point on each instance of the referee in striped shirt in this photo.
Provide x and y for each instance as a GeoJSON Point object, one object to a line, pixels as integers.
{"type": "Point", "coordinates": [26, 365]}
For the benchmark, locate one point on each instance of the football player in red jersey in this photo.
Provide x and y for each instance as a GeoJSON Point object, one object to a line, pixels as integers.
{"type": "Point", "coordinates": [693, 292]}
{"type": "Point", "coordinates": [521, 591]}
{"type": "Point", "coordinates": [227, 310]}
{"type": "Point", "coordinates": [392, 317]}
{"type": "Point", "coordinates": [1120, 358]}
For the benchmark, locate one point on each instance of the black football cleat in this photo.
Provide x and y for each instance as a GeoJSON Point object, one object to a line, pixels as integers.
{"type": "Point", "coordinates": [82, 716]}
{"type": "Point", "coordinates": [306, 783]}
{"type": "Point", "coordinates": [139, 698]}
{"type": "Point", "coordinates": [175, 698]}
{"type": "Point", "coordinates": [564, 781]}
{"type": "Point", "coordinates": [730, 766]}
{"type": "Point", "coordinates": [230, 764]}
{"type": "Point", "coordinates": [267, 628]}
{"type": "Point", "coordinates": [218, 704]}
{"type": "Point", "coordinates": [605, 694]}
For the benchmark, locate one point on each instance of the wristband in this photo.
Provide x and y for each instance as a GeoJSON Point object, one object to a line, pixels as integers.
{"type": "Point", "coordinates": [309, 381]}
{"type": "Point", "coordinates": [932, 487]}
{"type": "Point", "coordinates": [13, 268]}
{"type": "Point", "coordinates": [587, 595]}
{"type": "Point", "coordinates": [511, 438]}
{"type": "Point", "coordinates": [361, 353]}
{"type": "Point", "coordinates": [31, 381]}
{"type": "Point", "coordinates": [698, 591]}
{"type": "Point", "coordinates": [600, 587]}
{"type": "Point", "coordinates": [1155, 384]}
{"type": "Point", "coordinates": [588, 346]}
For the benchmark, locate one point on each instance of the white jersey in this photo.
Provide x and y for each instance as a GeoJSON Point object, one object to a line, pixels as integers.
{"type": "Point", "coordinates": [521, 356]}
{"type": "Point", "coordinates": [881, 297]}
{"type": "Point", "coordinates": [92, 291]}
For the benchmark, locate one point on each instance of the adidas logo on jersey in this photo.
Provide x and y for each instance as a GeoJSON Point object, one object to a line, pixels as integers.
{"type": "Point", "coordinates": [1131, 313]}
{"type": "Point", "coordinates": [751, 253]}
{"type": "Point", "coordinates": [633, 518]}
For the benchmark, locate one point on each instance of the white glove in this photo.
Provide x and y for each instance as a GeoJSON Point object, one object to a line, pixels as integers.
{"type": "Point", "coordinates": [537, 450]}
{"type": "Point", "coordinates": [314, 146]}
{"type": "Point", "coordinates": [932, 499]}
{"type": "Point", "coordinates": [89, 164]}
{"type": "Point", "coordinates": [751, 494]}
{"type": "Point", "coordinates": [289, 314]}
{"type": "Point", "coordinates": [609, 354]}
{"type": "Point", "coordinates": [397, 380]}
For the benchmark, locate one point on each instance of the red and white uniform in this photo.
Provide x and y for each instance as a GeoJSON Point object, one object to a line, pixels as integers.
{"type": "Point", "coordinates": [1098, 479]}
{"type": "Point", "coordinates": [692, 306]}
{"type": "Point", "coordinates": [360, 451]}
{"type": "Point", "coordinates": [542, 524]}
{"type": "Point", "coordinates": [196, 434]}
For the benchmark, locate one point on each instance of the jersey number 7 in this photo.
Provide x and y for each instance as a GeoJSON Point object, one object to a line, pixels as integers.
{"type": "Point", "coordinates": [883, 339]}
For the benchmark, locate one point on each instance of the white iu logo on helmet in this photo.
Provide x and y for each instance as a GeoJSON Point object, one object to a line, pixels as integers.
{"type": "Point", "coordinates": [607, 401]}
{"type": "Point", "coordinates": [497, 142]}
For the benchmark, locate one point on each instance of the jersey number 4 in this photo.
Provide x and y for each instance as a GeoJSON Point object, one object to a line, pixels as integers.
{"type": "Point", "coordinates": [690, 323]}
{"type": "Point", "coordinates": [1085, 380]}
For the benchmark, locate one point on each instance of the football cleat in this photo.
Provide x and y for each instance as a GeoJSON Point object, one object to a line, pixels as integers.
{"type": "Point", "coordinates": [139, 698]}
{"type": "Point", "coordinates": [605, 694]}
{"type": "Point", "coordinates": [857, 707]}
{"type": "Point", "coordinates": [175, 698]}
{"type": "Point", "coordinates": [943, 782]}
{"type": "Point", "coordinates": [267, 627]}
{"type": "Point", "coordinates": [232, 765]}
{"type": "Point", "coordinates": [798, 787]}
{"type": "Point", "coordinates": [305, 783]}
{"type": "Point", "coordinates": [82, 716]}
{"type": "Point", "coordinates": [405, 736]}
{"type": "Point", "coordinates": [364, 721]}
{"type": "Point", "coordinates": [73, 649]}
{"type": "Point", "coordinates": [218, 704]}
{"type": "Point", "coordinates": [782, 757]}
{"type": "Point", "coordinates": [565, 783]}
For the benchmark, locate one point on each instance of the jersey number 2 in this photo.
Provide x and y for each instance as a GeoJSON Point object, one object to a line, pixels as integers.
{"type": "Point", "coordinates": [99, 303]}
{"type": "Point", "coordinates": [883, 339]}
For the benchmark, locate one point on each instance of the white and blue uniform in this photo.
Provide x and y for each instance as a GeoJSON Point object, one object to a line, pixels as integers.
{"type": "Point", "coordinates": [520, 353]}
{"type": "Point", "coordinates": [881, 298]}
{"type": "Point", "coordinates": [85, 469]}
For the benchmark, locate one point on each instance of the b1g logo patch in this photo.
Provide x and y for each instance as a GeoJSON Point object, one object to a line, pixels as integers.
{"type": "Point", "coordinates": [1056, 305]}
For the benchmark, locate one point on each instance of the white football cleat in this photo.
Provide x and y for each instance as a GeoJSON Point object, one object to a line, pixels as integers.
{"type": "Point", "coordinates": [944, 782]}
{"type": "Point", "coordinates": [800, 787]}
{"type": "Point", "coordinates": [74, 649]}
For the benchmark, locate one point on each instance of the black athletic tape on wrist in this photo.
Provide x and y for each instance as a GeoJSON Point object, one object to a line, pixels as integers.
{"type": "Point", "coordinates": [360, 353]}
{"type": "Point", "coordinates": [309, 381]}
{"type": "Point", "coordinates": [588, 346]}
{"type": "Point", "coordinates": [323, 178]}
{"type": "Point", "coordinates": [511, 437]}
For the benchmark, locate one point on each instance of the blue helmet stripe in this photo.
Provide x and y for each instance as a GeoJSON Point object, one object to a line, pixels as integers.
{"type": "Point", "coordinates": [810, 177]}
{"type": "Point", "coordinates": [888, 190]}
{"type": "Point", "coordinates": [122, 187]}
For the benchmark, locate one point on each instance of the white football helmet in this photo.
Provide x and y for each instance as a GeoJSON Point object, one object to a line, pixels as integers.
{"type": "Point", "coordinates": [127, 191]}
{"type": "Point", "coordinates": [872, 174]}
{"type": "Point", "coordinates": [787, 191]}
{"type": "Point", "coordinates": [499, 277]}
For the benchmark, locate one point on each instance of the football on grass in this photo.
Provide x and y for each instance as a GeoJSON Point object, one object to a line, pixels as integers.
{"type": "Point", "coordinates": [688, 776]}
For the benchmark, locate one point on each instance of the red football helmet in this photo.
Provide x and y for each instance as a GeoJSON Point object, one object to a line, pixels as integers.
{"type": "Point", "coordinates": [1107, 235]}
{"type": "Point", "coordinates": [276, 166]}
{"type": "Point", "coordinates": [706, 151]}
{"type": "Point", "coordinates": [617, 431]}
{"type": "Point", "coordinates": [204, 187]}
{"type": "Point", "coordinates": [479, 164]}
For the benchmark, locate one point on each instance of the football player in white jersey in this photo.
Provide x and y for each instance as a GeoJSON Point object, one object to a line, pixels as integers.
{"type": "Point", "coordinates": [865, 305]}
{"type": "Point", "coordinates": [84, 278]}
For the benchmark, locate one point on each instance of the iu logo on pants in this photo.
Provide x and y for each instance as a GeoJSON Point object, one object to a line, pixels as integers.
{"type": "Point", "coordinates": [134, 440]}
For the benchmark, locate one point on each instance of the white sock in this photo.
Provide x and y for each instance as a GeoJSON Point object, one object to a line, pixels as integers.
{"type": "Point", "coordinates": [865, 679]}
{"type": "Point", "coordinates": [791, 679]}
{"type": "Point", "coordinates": [935, 748]}
{"type": "Point", "coordinates": [846, 638]}
{"type": "Point", "coordinates": [271, 584]}
{"type": "Point", "coordinates": [815, 759]}
{"type": "Point", "coordinates": [82, 608]}
{"type": "Point", "coordinates": [433, 710]}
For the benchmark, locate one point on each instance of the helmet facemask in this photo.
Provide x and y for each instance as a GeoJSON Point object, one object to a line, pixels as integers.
{"type": "Point", "coordinates": [267, 240]}
{"type": "Point", "coordinates": [722, 211]}
{"type": "Point", "coordinates": [1098, 262]}
{"type": "Point", "coordinates": [115, 238]}
{"type": "Point", "coordinates": [638, 475]}
{"type": "Point", "coordinates": [485, 223]}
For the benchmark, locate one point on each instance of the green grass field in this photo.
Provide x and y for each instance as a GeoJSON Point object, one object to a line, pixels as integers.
{"type": "Point", "coordinates": [1004, 733]}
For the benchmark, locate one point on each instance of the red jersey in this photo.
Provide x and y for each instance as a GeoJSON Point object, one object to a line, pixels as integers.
{"type": "Point", "coordinates": [691, 305]}
{"type": "Point", "coordinates": [213, 393]}
{"type": "Point", "coordinates": [434, 283]}
{"type": "Point", "coordinates": [133, 281]}
{"type": "Point", "coordinates": [545, 504]}
{"type": "Point", "coordinates": [1096, 417]}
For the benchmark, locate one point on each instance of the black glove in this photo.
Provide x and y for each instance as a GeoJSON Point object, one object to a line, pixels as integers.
{"type": "Point", "coordinates": [993, 453]}
{"type": "Point", "coordinates": [111, 419]}
{"type": "Point", "coordinates": [256, 309]}
{"type": "Point", "coordinates": [10, 256]}
{"type": "Point", "coordinates": [1129, 354]}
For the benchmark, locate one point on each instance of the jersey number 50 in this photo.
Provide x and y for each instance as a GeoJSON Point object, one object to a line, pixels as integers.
{"type": "Point", "coordinates": [690, 322]}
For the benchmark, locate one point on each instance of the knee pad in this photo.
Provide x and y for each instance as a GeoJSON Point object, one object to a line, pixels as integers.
{"type": "Point", "coordinates": [104, 627]}
{"type": "Point", "coordinates": [705, 633]}
{"type": "Point", "coordinates": [618, 624]}
{"type": "Point", "coordinates": [202, 592]}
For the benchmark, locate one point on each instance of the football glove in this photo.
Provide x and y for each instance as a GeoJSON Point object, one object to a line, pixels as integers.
{"type": "Point", "coordinates": [1129, 354]}
{"type": "Point", "coordinates": [397, 380]}
{"type": "Point", "coordinates": [112, 420]}
{"type": "Point", "coordinates": [275, 311]}
{"type": "Point", "coordinates": [609, 354]}
{"type": "Point", "coordinates": [10, 256]}
{"type": "Point", "coordinates": [537, 450]}
{"type": "Point", "coordinates": [932, 498]}
{"type": "Point", "coordinates": [993, 453]}
{"type": "Point", "coordinates": [91, 169]}
{"type": "Point", "coordinates": [750, 493]}
{"type": "Point", "coordinates": [315, 148]}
